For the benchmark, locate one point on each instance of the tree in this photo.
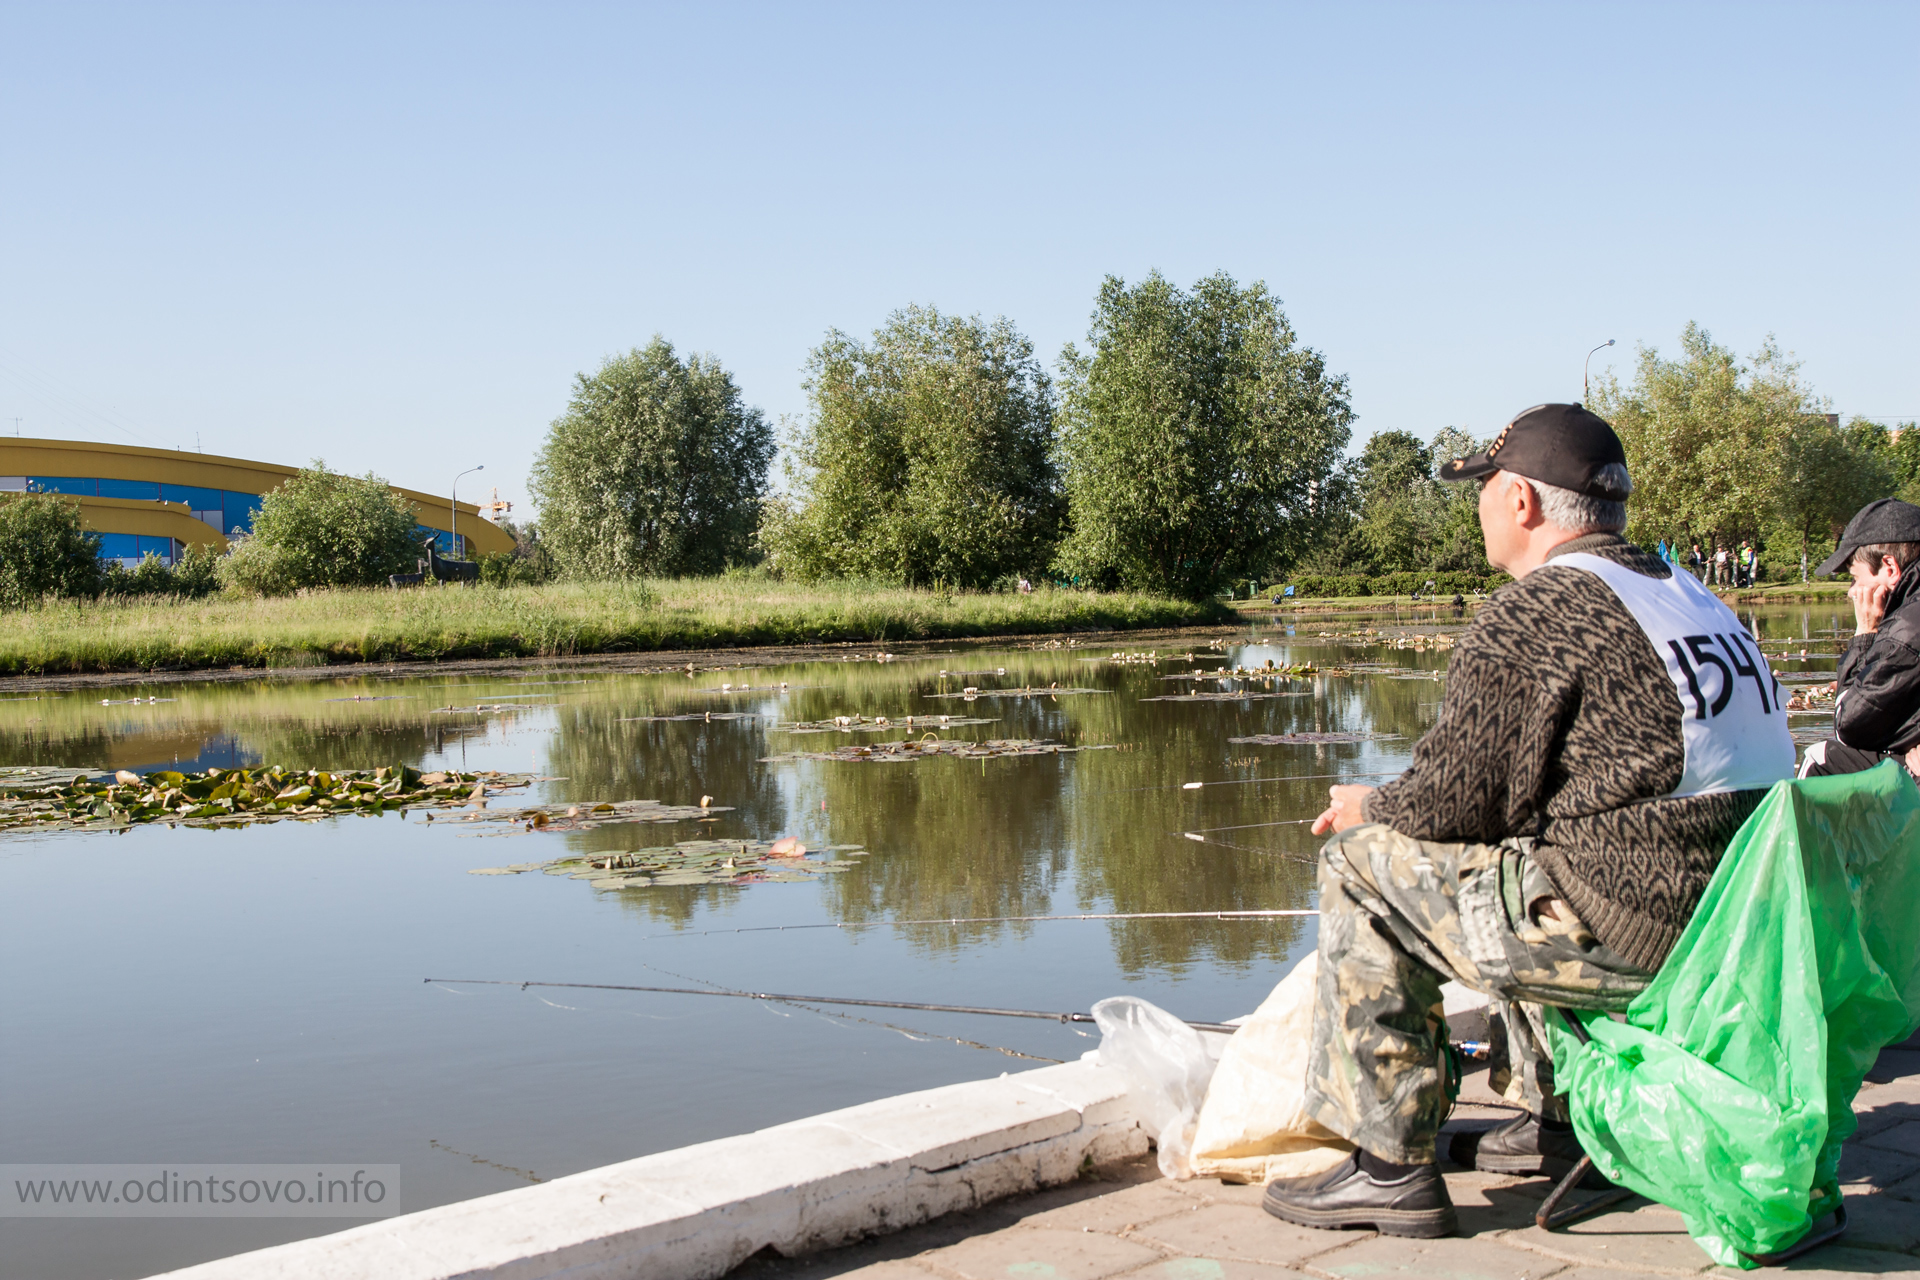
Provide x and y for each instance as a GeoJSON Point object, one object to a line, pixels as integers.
{"type": "Point", "coordinates": [1825, 476]}
{"type": "Point", "coordinates": [1387, 512]}
{"type": "Point", "coordinates": [1704, 436]}
{"type": "Point", "coordinates": [1398, 501]}
{"type": "Point", "coordinates": [1194, 434]}
{"type": "Point", "coordinates": [926, 457]}
{"type": "Point", "coordinates": [656, 468]}
{"type": "Point", "coordinates": [45, 550]}
{"type": "Point", "coordinates": [323, 529]}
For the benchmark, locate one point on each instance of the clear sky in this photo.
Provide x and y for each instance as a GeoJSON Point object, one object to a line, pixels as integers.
{"type": "Point", "coordinates": [389, 235]}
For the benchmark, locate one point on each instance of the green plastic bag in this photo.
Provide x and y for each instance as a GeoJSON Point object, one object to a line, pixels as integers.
{"type": "Point", "coordinates": [1729, 1088]}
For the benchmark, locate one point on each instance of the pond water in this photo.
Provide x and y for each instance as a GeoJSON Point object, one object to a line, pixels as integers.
{"type": "Point", "coordinates": [256, 995]}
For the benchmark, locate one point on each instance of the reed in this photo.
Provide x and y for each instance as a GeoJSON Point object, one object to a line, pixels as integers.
{"type": "Point", "coordinates": [424, 624]}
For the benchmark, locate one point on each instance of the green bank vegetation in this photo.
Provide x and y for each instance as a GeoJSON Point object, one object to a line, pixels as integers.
{"type": "Point", "coordinates": [554, 619]}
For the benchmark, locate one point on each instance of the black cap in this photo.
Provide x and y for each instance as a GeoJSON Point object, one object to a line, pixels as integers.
{"type": "Point", "coordinates": [1564, 445]}
{"type": "Point", "coordinates": [1887, 520]}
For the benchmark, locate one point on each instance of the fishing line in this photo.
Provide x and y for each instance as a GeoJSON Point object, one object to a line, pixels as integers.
{"type": "Point", "coordinates": [1248, 826]}
{"type": "Point", "coordinates": [783, 998]}
{"type": "Point", "coordinates": [1197, 838]}
{"type": "Point", "coordinates": [957, 920]}
{"type": "Point", "coordinates": [838, 1020]}
{"type": "Point", "coordinates": [1236, 782]}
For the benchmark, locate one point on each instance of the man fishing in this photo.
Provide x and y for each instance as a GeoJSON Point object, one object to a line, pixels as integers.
{"type": "Point", "coordinates": [1876, 709]}
{"type": "Point", "coordinates": [1607, 727]}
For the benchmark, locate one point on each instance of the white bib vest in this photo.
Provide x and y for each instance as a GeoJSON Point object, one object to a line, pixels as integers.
{"type": "Point", "coordinates": [1731, 715]}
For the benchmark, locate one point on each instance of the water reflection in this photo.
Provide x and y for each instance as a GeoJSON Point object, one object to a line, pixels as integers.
{"type": "Point", "coordinates": [1104, 830]}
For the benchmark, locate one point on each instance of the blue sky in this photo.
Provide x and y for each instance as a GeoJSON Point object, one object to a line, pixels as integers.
{"type": "Point", "coordinates": [389, 235]}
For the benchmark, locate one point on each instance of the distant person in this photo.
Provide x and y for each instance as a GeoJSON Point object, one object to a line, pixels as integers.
{"type": "Point", "coordinates": [1026, 587]}
{"type": "Point", "coordinates": [1696, 563]}
{"type": "Point", "coordinates": [1876, 707]}
{"type": "Point", "coordinates": [1720, 566]}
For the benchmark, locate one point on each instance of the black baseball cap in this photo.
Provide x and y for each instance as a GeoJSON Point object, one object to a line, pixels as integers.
{"type": "Point", "coordinates": [1564, 445]}
{"type": "Point", "coordinates": [1887, 520]}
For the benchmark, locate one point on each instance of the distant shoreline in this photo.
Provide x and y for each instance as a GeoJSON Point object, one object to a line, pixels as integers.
{"type": "Point", "coordinates": [658, 625]}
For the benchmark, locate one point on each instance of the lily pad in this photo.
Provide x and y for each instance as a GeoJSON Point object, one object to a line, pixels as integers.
{"type": "Point", "coordinates": [880, 724]}
{"type": "Point", "coordinates": [71, 799]}
{"type": "Point", "coordinates": [691, 862]}
{"type": "Point", "coordinates": [894, 752]}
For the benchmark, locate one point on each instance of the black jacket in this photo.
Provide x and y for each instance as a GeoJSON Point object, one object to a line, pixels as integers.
{"type": "Point", "coordinates": [1878, 708]}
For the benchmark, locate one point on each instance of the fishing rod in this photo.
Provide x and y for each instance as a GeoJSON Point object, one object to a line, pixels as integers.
{"type": "Point", "coordinates": [1234, 782]}
{"type": "Point", "coordinates": [1287, 777]}
{"type": "Point", "coordinates": [953, 920]}
{"type": "Point", "coordinates": [1248, 826]}
{"type": "Point", "coordinates": [1227, 1027]}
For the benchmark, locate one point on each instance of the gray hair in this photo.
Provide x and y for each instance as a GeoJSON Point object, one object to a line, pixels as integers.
{"type": "Point", "coordinates": [1579, 513]}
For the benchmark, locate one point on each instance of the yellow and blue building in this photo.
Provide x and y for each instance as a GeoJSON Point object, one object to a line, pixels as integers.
{"type": "Point", "coordinates": [161, 501]}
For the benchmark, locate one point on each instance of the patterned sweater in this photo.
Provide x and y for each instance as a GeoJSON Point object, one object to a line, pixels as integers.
{"type": "Point", "coordinates": [1560, 722]}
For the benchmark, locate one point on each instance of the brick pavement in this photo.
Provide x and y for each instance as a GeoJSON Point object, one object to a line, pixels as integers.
{"type": "Point", "coordinates": [1128, 1221]}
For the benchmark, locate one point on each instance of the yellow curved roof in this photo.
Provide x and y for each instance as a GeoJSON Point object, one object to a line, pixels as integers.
{"type": "Point", "coordinates": [28, 457]}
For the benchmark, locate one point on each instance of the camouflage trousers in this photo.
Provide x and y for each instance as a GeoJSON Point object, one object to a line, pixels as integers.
{"type": "Point", "coordinates": [1398, 917]}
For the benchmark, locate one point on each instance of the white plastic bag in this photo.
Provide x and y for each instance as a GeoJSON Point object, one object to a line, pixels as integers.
{"type": "Point", "coordinates": [1166, 1065]}
{"type": "Point", "coordinates": [1253, 1125]}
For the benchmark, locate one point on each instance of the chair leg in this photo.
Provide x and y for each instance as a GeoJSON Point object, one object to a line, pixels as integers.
{"type": "Point", "coordinates": [1805, 1244]}
{"type": "Point", "coordinates": [1551, 1215]}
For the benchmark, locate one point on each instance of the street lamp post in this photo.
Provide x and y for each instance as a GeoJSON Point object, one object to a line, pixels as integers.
{"type": "Point", "coordinates": [1585, 393]}
{"type": "Point", "coordinates": [453, 510]}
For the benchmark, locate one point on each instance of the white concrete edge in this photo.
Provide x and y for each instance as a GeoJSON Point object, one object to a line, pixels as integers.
{"type": "Point", "coordinates": [700, 1211]}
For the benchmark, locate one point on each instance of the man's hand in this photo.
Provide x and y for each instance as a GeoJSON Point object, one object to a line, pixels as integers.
{"type": "Point", "coordinates": [1343, 809]}
{"type": "Point", "coordinates": [1869, 598]}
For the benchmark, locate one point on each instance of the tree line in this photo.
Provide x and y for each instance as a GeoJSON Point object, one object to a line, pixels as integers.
{"type": "Point", "coordinates": [1193, 443]}
{"type": "Point", "coordinates": [1188, 445]}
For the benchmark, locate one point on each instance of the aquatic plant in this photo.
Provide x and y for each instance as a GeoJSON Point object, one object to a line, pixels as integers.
{"type": "Point", "coordinates": [735, 862]}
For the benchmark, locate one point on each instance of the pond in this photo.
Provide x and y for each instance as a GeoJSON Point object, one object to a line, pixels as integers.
{"type": "Point", "coordinates": [257, 994]}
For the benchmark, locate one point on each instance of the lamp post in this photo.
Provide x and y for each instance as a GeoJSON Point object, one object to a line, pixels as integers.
{"type": "Point", "coordinates": [453, 511]}
{"type": "Point", "coordinates": [1585, 393]}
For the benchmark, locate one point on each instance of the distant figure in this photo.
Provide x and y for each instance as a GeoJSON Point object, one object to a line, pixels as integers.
{"type": "Point", "coordinates": [1696, 563]}
{"type": "Point", "coordinates": [1719, 566]}
{"type": "Point", "coordinates": [1026, 588]}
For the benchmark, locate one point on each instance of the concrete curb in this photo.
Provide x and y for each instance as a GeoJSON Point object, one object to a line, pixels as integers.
{"type": "Point", "coordinates": [700, 1211]}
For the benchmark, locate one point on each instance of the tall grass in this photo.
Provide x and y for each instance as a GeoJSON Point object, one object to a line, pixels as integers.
{"type": "Point", "coordinates": [383, 625]}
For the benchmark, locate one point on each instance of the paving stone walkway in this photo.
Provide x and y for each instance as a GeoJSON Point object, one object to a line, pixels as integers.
{"type": "Point", "coordinates": [1128, 1221]}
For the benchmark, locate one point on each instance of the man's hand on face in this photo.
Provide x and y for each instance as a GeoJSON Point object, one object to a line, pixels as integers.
{"type": "Point", "coordinates": [1343, 809]}
{"type": "Point", "coordinates": [1869, 593]}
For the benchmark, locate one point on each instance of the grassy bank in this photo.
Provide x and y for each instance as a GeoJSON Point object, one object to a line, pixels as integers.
{"type": "Point", "coordinates": [383, 625]}
{"type": "Point", "coordinates": [1788, 593]}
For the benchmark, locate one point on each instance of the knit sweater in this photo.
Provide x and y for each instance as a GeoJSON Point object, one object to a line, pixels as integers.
{"type": "Point", "coordinates": [1560, 722]}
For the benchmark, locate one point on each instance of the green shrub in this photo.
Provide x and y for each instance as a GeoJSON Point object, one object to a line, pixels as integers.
{"type": "Point", "coordinates": [1385, 585]}
{"type": "Point", "coordinates": [194, 574]}
{"type": "Point", "coordinates": [509, 569]}
{"type": "Point", "coordinates": [45, 550]}
{"type": "Point", "coordinates": [320, 529]}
